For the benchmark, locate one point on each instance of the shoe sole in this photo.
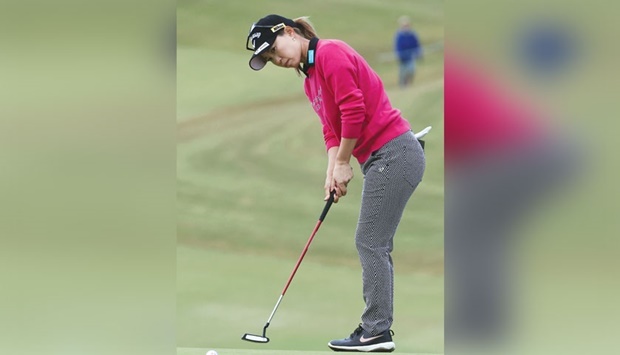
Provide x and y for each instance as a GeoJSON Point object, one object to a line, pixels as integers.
{"type": "Point", "coordinates": [374, 348]}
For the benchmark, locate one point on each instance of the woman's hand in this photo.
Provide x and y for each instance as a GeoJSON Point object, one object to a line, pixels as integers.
{"type": "Point", "coordinates": [328, 184]}
{"type": "Point", "coordinates": [341, 175]}
{"type": "Point", "coordinates": [339, 171]}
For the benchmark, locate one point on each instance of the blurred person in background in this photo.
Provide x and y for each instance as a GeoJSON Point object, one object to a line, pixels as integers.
{"type": "Point", "coordinates": [502, 157]}
{"type": "Point", "coordinates": [358, 121]}
{"type": "Point", "coordinates": [408, 49]}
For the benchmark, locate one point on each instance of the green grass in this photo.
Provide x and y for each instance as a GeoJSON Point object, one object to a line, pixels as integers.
{"type": "Point", "coordinates": [250, 172]}
{"type": "Point", "coordinates": [224, 294]}
{"type": "Point", "coordinates": [203, 351]}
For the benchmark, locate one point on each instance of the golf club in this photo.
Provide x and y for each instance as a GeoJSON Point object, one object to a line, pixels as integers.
{"type": "Point", "coordinates": [263, 338]}
{"type": "Point", "coordinates": [421, 134]}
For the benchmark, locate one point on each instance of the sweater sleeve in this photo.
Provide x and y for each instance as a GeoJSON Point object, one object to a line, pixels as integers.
{"type": "Point", "coordinates": [340, 71]}
{"type": "Point", "coordinates": [330, 139]}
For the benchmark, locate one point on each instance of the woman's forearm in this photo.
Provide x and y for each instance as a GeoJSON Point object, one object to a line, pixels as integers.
{"type": "Point", "coordinates": [331, 159]}
{"type": "Point", "coordinates": [345, 150]}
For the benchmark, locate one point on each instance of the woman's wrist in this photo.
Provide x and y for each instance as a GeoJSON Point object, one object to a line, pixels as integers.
{"type": "Point", "coordinates": [342, 162]}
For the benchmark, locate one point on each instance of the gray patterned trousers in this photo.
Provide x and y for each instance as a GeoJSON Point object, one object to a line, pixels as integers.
{"type": "Point", "coordinates": [391, 174]}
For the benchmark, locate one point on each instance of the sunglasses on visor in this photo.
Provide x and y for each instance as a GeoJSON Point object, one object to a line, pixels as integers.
{"type": "Point", "coordinates": [253, 35]}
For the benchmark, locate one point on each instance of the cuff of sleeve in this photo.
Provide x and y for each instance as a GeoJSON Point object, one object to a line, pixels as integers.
{"type": "Point", "coordinates": [331, 143]}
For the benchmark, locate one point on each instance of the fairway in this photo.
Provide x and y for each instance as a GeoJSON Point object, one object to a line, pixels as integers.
{"type": "Point", "coordinates": [250, 171]}
{"type": "Point", "coordinates": [200, 351]}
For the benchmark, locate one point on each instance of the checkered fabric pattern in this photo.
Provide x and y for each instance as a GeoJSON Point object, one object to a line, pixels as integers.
{"type": "Point", "coordinates": [391, 174]}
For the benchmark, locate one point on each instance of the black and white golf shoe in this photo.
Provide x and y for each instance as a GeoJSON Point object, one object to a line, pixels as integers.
{"type": "Point", "coordinates": [361, 341]}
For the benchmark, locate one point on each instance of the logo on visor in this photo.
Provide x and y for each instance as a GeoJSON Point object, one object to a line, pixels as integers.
{"type": "Point", "coordinates": [262, 46]}
{"type": "Point", "coordinates": [254, 37]}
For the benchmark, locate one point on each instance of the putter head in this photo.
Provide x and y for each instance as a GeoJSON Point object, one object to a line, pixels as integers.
{"type": "Point", "coordinates": [255, 338]}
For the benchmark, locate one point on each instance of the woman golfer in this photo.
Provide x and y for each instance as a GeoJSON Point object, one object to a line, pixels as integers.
{"type": "Point", "coordinates": [358, 120]}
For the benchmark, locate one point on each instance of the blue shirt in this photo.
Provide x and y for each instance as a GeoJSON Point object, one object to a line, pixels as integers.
{"type": "Point", "coordinates": [406, 45]}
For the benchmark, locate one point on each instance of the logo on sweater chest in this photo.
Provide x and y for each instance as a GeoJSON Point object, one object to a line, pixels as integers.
{"type": "Point", "coordinates": [317, 100]}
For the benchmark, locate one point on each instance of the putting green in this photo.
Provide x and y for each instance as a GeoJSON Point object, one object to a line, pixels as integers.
{"type": "Point", "coordinates": [201, 351]}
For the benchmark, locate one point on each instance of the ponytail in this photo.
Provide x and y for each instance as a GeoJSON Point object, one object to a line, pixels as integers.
{"type": "Point", "coordinates": [304, 28]}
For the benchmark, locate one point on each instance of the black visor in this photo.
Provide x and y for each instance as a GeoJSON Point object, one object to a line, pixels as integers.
{"type": "Point", "coordinates": [262, 36]}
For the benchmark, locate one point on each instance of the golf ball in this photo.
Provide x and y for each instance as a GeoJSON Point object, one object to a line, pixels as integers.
{"type": "Point", "coordinates": [211, 352]}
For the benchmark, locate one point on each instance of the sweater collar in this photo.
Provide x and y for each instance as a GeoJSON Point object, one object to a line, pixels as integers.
{"type": "Point", "coordinates": [310, 56]}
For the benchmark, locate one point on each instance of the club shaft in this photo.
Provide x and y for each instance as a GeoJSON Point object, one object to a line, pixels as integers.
{"type": "Point", "coordinates": [274, 309]}
{"type": "Point", "coordinates": [301, 257]}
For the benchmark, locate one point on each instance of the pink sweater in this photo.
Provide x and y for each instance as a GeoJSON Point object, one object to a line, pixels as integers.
{"type": "Point", "coordinates": [480, 115]}
{"type": "Point", "coordinates": [350, 100]}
